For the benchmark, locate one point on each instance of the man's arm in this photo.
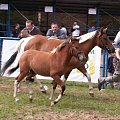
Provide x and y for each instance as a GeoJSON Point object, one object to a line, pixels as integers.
{"type": "Point", "coordinates": [62, 35]}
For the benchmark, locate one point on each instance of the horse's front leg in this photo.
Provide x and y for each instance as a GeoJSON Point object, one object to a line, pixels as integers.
{"type": "Point", "coordinates": [84, 71]}
{"type": "Point", "coordinates": [62, 85]}
{"type": "Point", "coordinates": [52, 93]}
{"type": "Point", "coordinates": [65, 76]}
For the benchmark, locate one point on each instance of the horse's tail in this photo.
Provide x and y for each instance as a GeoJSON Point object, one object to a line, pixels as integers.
{"type": "Point", "coordinates": [9, 62]}
{"type": "Point", "coordinates": [12, 58]}
{"type": "Point", "coordinates": [12, 70]}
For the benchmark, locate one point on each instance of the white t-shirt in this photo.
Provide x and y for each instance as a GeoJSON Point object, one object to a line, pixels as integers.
{"type": "Point", "coordinates": [64, 30]}
{"type": "Point", "coordinates": [76, 31]}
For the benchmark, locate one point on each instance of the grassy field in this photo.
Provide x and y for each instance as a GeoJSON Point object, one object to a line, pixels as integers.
{"type": "Point", "coordinates": [75, 105]}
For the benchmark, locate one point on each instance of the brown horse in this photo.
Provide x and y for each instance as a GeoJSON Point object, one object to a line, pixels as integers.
{"type": "Point", "coordinates": [34, 62]}
{"type": "Point", "coordinates": [88, 42]}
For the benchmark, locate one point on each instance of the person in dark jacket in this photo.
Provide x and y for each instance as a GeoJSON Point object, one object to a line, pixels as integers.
{"type": "Point", "coordinates": [32, 29]}
{"type": "Point", "coordinates": [116, 75]}
{"type": "Point", "coordinates": [16, 30]}
{"type": "Point", "coordinates": [111, 67]}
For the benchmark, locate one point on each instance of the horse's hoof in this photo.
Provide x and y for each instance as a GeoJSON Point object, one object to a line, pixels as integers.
{"type": "Point", "coordinates": [31, 99]}
{"type": "Point", "coordinates": [17, 99]}
{"type": "Point", "coordinates": [91, 94]}
{"type": "Point", "coordinates": [31, 80]}
{"type": "Point", "coordinates": [18, 90]}
{"type": "Point", "coordinates": [55, 102]}
{"type": "Point", "coordinates": [50, 98]}
{"type": "Point", "coordinates": [43, 91]}
{"type": "Point", "coordinates": [52, 103]}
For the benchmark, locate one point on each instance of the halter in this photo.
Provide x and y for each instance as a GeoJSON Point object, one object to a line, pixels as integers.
{"type": "Point", "coordinates": [104, 46]}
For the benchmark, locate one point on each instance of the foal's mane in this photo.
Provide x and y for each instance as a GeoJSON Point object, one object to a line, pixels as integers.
{"type": "Point", "coordinates": [61, 46]}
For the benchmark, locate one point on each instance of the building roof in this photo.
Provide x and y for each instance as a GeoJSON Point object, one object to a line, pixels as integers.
{"type": "Point", "coordinates": [71, 6]}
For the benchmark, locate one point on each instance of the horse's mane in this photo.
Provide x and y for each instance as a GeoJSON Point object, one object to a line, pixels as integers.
{"type": "Point", "coordinates": [87, 36]}
{"type": "Point", "coordinates": [61, 46]}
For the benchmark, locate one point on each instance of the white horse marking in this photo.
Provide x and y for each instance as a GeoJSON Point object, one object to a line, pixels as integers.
{"type": "Point", "coordinates": [86, 36]}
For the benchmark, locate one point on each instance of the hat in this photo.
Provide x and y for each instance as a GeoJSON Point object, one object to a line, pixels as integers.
{"type": "Point", "coordinates": [116, 44]}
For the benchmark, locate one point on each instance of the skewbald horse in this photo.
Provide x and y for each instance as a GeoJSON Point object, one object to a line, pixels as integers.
{"type": "Point", "coordinates": [34, 62]}
{"type": "Point", "coordinates": [88, 42]}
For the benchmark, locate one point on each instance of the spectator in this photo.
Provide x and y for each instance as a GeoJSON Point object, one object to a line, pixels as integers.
{"type": "Point", "coordinates": [55, 32]}
{"type": "Point", "coordinates": [32, 29]}
{"type": "Point", "coordinates": [24, 33]}
{"type": "Point", "coordinates": [112, 62]}
{"type": "Point", "coordinates": [116, 75]}
{"type": "Point", "coordinates": [111, 66]}
{"type": "Point", "coordinates": [91, 29]}
{"type": "Point", "coordinates": [16, 30]}
{"type": "Point", "coordinates": [64, 29]}
{"type": "Point", "coordinates": [75, 30]}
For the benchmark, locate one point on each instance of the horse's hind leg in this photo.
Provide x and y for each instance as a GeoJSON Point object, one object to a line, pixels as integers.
{"type": "Point", "coordinates": [84, 71]}
{"type": "Point", "coordinates": [43, 88]}
{"type": "Point", "coordinates": [28, 79]}
{"type": "Point", "coordinates": [16, 83]}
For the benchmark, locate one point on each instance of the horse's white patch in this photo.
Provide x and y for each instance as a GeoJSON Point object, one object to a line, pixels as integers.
{"type": "Point", "coordinates": [20, 48]}
{"type": "Point", "coordinates": [86, 36]}
{"type": "Point", "coordinates": [54, 50]}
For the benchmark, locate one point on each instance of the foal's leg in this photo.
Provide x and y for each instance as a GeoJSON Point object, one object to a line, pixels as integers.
{"type": "Point", "coordinates": [16, 83]}
{"type": "Point", "coordinates": [28, 79]}
{"type": "Point", "coordinates": [66, 76]}
{"type": "Point", "coordinates": [30, 90]}
{"type": "Point", "coordinates": [62, 85]}
{"type": "Point", "coordinates": [52, 93]}
{"type": "Point", "coordinates": [42, 87]}
{"type": "Point", "coordinates": [84, 71]}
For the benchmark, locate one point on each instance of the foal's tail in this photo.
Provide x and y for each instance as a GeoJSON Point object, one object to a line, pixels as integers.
{"type": "Point", "coordinates": [12, 69]}
{"type": "Point", "coordinates": [12, 58]}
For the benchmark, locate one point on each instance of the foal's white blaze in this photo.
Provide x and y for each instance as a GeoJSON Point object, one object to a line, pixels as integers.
{"type": "Point", "coordinates": [87, 36]}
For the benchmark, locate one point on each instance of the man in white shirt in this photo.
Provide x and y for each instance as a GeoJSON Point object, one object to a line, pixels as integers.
{"type": "Point", "coordinates": [75, 30]}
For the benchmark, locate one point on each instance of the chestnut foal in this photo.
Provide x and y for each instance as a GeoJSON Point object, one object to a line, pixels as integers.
{"type": "Point", "coordinates": [34, 62]}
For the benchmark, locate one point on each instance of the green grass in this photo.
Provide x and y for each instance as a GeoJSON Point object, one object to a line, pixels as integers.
{"type": "Point", "coordinates": [76, 98]}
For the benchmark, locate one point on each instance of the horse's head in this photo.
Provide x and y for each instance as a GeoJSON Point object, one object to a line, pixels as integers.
{"type": "Point", "coordinates": [76, 50]}
{"type": "Point", "coordinates": [103, 40]}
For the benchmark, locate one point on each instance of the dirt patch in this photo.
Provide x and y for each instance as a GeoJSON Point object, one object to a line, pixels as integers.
{"type": "Point", "coordinates": [50, 115]}
{"type": "Point", "coordinates": [53, 115]}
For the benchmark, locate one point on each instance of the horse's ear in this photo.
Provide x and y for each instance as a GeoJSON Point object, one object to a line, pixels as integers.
{"type": "Point", "coordinates": [101, 30]}
{"type": "Point", "coordinates": [62, 45]}
{"type": "Point", "coordinates": [105, 30]}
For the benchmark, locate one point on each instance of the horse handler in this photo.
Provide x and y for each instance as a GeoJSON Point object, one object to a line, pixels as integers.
{"type": "Point", "coordinates": [116, 74]}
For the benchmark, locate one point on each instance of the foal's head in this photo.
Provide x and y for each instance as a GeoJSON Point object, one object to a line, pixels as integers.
{"type": "Point", "coordinates": [103, 40]}
{"type": "Point", "coordinates": [74, 49]}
